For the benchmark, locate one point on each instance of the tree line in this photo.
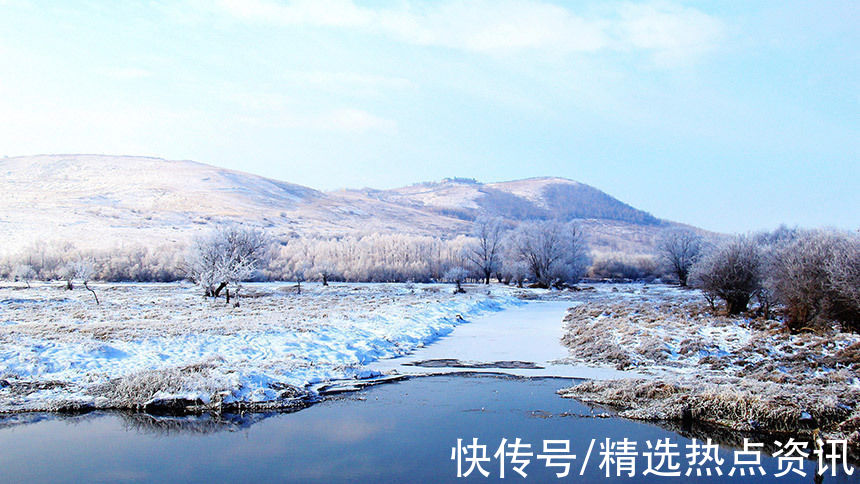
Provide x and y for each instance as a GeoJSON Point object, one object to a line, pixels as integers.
{"type": "Point", "coordinates": [812, 275]}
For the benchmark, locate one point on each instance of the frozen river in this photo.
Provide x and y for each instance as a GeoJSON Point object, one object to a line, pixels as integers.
{"type": "Point", "coordinates": [523, 340]}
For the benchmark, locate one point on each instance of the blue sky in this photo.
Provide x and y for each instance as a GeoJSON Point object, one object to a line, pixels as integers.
{"type": "Point", "coordinates": [732, 116]}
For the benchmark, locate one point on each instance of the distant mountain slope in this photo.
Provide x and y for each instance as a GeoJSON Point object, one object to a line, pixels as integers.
{"type": "Point", "coordinates": [97, 201]}
{"type": "Point", "coordinates": [533, 198]}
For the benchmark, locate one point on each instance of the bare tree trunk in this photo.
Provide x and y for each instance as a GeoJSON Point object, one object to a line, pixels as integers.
{"type": "Point", "coordinates": [219, 289]}
{"type": "Point", "coordinates": [227, 293]}
{"type": "Point", "coordinates": [92, 291]}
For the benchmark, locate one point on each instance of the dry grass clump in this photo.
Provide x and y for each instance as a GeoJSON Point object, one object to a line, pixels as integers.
{"type": "Point", "coordinates": [591, 343]}
{"type": "Point", "coordinates": [735, 403]}
{"type": "Point", "coordinates": [137, 390]}
{"type": "Point", "coordinates": [620, 334]}
{"type": "Point", "coordinates": [191, 388]}
{"type": "Point", "coordinates": [849, 357]}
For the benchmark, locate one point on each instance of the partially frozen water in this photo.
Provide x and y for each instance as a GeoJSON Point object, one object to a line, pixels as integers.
{"type": "Point", "coordinates": [397, 432]}
{"type": "Point", "coordinates": [523, 340]}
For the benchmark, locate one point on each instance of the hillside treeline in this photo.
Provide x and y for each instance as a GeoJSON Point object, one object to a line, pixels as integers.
{"type": "Point", "coordinates": [541, 252]}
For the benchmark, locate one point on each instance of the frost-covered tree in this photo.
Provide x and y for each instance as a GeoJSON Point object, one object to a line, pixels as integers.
{"type": "Point", "coordinates": [552, 252]}
{"type": "Point", "coordinates": [24, 272]}
{"type": "Point", "coordinates": [228, 255]}
{"type": "Point", "coordinates": [300, 273]}
{"type": "Point", "coordinates": [731, 271]}
{"type": "Point", "coordinates": [514, 271]}
{"type": "Point", "coordinates": [68, 273]}
{"type": "Point", "coordinates": [538, 245]}
{"type": "Point", "coordinates": [814, 276]}
{"type": "Point", "coordinates": [80, 270]}
{"type": "Point", "coordinates": [484, 253]}
{"type": "Point", "coordinates": [370, 258]}
{"type": "Point", "coordinates": [680, 249]}
{"type": "Point", "coordinates": [457, 275]}
{"type": "Point", "coordinates": [770, 245]}
{"type": "Point", "coordinates": [325, 269]}
{"type": "Point", "coordinates": [843, 270]}
{"type": "Point", "coordinates": [84, 271]}
{"type": "Point", "coordinates": [577, 259]}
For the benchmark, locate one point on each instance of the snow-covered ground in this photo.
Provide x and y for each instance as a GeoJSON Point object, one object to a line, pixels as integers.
{"type": "Point", "coordinates": [744, 372]}
{"type": "Point", "coordinates": [160, 342]}
{"type": "Point", "coordinates": [155, 342]}
{"type": "Point", "coordinates": [151, 345]}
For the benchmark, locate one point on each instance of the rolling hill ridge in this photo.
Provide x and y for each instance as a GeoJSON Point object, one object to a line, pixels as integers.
{"type": "Point", "coordinates": [99, 201]}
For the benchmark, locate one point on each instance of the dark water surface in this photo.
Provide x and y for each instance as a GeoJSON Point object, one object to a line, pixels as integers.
{"type": "Point", "coordinates": [398, 432]}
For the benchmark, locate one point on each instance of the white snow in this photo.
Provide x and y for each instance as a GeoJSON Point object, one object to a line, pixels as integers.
{"type": "Point", "coordinates": [529, 333]}
{"type": "Point", "coordinates": [276, 338]}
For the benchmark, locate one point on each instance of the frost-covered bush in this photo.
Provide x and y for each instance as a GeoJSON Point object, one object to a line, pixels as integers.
{"type": "Point", "coordinates": [679, 250]}
{"type": "Point", "coordinates": [126, 263]}
{"type": "Point", "coordinates": [514, 271]}
{"type": "Point", "coordinates": [24, 272]}
{"type": "Point", "coordinates": [457, 275]}
{"type": "Point", "coordinates": [843, 270]}
{"type": "Point", "coordinates": [732, 271]}
{"type": "Point", "coordinates": [620, 267]}
{"type": "Point", "coordinates": [367, 258]}
{"type": "Point", "coordinates": [815, 276]}
{"type": "Point", "coordinates": [551, 252]}
{"type": "Point", "coordinates": [228, 255]}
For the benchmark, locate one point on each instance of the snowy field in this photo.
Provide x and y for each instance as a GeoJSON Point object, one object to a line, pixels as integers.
{"type": "Point", "coordinates": [150, 343]}
{"type": "Point", "coordinates": [746, 373]}
{"type": "Point", "coordinates": [654, 351]}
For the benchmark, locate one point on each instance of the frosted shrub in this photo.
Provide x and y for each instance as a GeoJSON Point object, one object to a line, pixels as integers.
{"type": "Point", "coordinates": [815, 276]}
{"type": "Point", "coordinates": [621, 267]}
{"type": "Point", "coordinates": [457, 275]}
{"type": "Point", "coordinates": [680, 249]}
{"type": "Point", "coordinates": [24, 272]}
{"type": "Point", "coordinates": [731, 272]}
{"type": "Point", "coordinates": [227, 256]}
{"type": "Point", "coordinates": [552, 252]}
{"type": "Point", "coordinates": [843, 271]}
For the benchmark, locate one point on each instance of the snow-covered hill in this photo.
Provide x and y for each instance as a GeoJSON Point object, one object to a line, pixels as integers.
{"type": "Point", "coordinates": [97, 201]}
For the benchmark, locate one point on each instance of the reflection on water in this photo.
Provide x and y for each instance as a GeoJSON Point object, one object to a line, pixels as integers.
{"type": "Point", "coordinates": [400, 432]}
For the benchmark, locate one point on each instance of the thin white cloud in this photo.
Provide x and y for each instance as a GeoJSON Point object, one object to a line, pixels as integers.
{"type": "Point", "coordinates": [258, 100]}
{"type": "Point", "coordinates": [349, 80]}
{"type": "Point", "coordinates": [672, 32]}
{"type": "Point", "coordinates": [128, 73]}
{"type": "Point", "coordinates": [345, 120]}
{"type": "Point", "coordinates": [663, 29]}
{"type": "Point", "coordinates": [354, 121]}
{"type": "Point", "coordinates": [336, 13]}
